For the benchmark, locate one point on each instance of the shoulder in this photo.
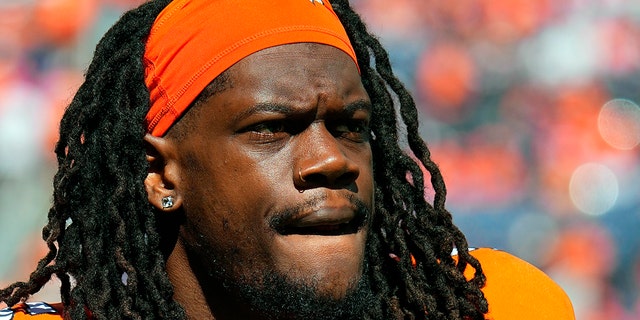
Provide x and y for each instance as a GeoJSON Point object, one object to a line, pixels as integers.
{"type": "Point", "coordinates": [515, 289]}
{"type": "Point", "coordinates": [32, 310]}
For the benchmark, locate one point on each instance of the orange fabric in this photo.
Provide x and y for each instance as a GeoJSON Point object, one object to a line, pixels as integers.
{"type": "Point", "coordinates": [193, 41]}
{"type": "Point", "coordinates": [33, 310]}
{"type": "Point", "coordinates": [516, 289]}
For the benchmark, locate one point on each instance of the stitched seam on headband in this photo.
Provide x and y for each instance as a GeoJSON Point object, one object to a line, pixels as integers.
{"type": "Point", "coordinates": [239, 44]}
{"type": "Point", "coordinates": [167, 16]}
{"type": "Point", "coordinates": [151, 68]}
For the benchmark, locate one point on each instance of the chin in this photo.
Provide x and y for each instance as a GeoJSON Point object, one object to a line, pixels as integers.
{"type": "Point", "coordinates": [331, 264]}
{"type": "Point", "coordinates": [307, 298]}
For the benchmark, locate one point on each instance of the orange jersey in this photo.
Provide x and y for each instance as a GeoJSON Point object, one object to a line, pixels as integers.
{"type": "Point", "coordinates": [32, 310]}
{"type": "Point", "coordinates": [515, 289]}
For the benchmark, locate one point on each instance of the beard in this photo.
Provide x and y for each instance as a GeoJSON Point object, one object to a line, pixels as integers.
{"type": "Point", "coordinates": [236, 288]}
{"type": "Point", "coordinates": [275, 296]}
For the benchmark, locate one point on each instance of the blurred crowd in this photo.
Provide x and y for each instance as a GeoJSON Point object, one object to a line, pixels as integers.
{"type": "Point", "coordinates": [530, 107]}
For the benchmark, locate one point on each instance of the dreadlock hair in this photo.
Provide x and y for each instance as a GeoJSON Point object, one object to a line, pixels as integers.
{"type": "Point", "coordinates": [101, 226]}
{"type": "Point", "coordinates": [426, 282]}
{"type": "Point", "coordinates": [102, 233]}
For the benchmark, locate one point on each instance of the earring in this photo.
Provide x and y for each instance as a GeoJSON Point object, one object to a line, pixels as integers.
{"type": "Point", "coordinates": [300, 175]}
{"type": "Point", "coordinates": [167, 202]}
{"type": "Point", "coordinates": [301, 190]}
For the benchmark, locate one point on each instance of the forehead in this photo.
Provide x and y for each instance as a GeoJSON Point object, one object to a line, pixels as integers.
{"type": "Point", "coordinates": [305, 58]}
{"type": "Point", "coordinates": [296, 66]}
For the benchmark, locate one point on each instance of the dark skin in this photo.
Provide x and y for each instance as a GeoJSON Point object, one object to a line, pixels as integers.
{"type": "Point", "coordinates": [274, 177]}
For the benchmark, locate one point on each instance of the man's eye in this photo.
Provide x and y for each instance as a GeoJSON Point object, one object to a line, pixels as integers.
{"type": "Point", "coordinates": [353, 127]}
{"type": "Point", "coordinates": [269, 127]}
{"type": "Point", "coordinates": [354, 130]}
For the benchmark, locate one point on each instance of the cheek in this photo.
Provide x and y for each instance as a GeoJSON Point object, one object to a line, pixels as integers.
{"type": "Point", "coordinates": [226, 208]}
{"type": "Point", "coordinates": [227, 236]}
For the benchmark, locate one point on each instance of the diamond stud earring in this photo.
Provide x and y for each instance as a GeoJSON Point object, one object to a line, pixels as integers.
{"type": "Point", "coordinates": [167, 202]}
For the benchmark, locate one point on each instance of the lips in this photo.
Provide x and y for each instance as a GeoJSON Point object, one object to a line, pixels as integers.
{"type": "Point", "coordinates": [323, 219]}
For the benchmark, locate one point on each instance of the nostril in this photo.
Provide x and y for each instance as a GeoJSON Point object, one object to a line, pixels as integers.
{"type": "Point", "coordinates": [329, 180]}
{"type": "Point", "coordinates": [327, 169]}
{"type": "Point", "coordinates": [315, 179]}
{"type": "Point", "coordinates": [347, 178]}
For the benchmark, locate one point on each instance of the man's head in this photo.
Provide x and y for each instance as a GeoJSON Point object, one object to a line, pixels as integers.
{"type": "Point", "coordinates": [273, 163]}
{"type": "Point", "coordinates": [272, 174]}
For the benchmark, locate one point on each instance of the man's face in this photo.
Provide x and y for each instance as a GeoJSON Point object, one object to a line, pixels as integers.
{"type": "Point", "coordinates": [276, 172]}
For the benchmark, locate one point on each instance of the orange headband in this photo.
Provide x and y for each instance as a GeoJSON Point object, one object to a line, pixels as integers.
{"type": "Point", "coordinates": [193, 41]}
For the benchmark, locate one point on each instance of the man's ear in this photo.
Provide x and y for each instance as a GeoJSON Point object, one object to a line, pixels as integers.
{"type": "Point", "coordinates": [163, 178]}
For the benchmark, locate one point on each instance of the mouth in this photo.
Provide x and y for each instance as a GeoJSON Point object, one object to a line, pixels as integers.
{"type": "Point", "coordinates": [328, 228]}
{"type": "Point", "coordinates": [330, 220]}
{"type": "Point", "coordinates": [322, 239]}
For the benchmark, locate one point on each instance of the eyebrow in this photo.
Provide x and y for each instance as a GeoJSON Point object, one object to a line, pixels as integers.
{"type": "Point", "coordinates": [358, 105]}
{"type": "Point", "coordinates": [265, 107]}
{"type": "Point", "coordinates": [289, 110]}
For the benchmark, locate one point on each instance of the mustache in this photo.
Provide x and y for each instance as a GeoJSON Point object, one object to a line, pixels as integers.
{"type": "Point", "coordinates": [280, 219]}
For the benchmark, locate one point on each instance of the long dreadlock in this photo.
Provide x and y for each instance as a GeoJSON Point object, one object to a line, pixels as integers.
{"type": "Point", "coordinates": [102, 233]}
{"type": "Point", "coordinates": [432, 287]}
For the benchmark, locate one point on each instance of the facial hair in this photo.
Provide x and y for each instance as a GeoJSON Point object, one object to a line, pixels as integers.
{"type": "Point", "coordinates": [272, 295]}
{"type": "Point", "coordinates": [276, 297]}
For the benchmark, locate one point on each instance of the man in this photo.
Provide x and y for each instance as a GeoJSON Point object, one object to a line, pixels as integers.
{"type": "Point", "coordinates": [240, 160]}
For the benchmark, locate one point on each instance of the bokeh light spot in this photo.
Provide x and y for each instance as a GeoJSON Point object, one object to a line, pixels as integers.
{"type": "Point", "coordinates": [619, 124]}
{"type": "Point", "coordinates": [446, 77]}
{"type": "Point", "coordinates": [593, 188]}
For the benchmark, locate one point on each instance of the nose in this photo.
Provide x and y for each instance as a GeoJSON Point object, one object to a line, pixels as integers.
{"type": "Point", "coordinates": [323, 161]}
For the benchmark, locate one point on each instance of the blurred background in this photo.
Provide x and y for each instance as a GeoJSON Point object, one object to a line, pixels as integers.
{"type": "Point", "coordinates": [530, 108]}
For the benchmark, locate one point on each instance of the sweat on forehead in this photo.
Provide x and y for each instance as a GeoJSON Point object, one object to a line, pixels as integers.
{"type": "Point", "coordinates": [193, 41]}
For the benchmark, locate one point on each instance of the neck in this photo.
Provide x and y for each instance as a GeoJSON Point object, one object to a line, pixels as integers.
{"type": "Point", "coordinates": [187, 289]}
{"type": "Point", "coordinates": [201, 298]}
